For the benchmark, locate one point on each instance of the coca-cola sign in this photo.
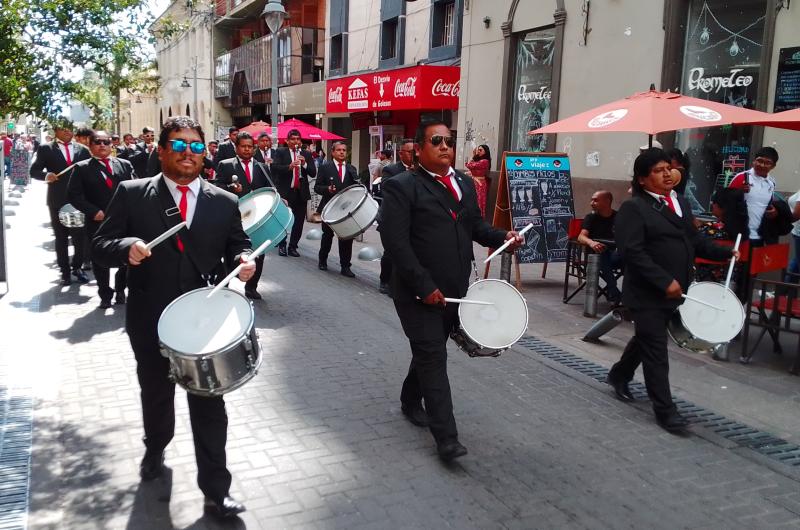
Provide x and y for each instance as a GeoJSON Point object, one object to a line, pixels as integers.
{"type": "Point", "coordinates": [405, 89]}
{"type": "Point", "coordinates": [698, 81]}
{"type": "Point", "coordinates": [335, 95]}
{"type": "Point", "coordinates": [442, 88]}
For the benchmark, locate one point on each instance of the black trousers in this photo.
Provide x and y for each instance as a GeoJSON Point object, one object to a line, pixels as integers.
{"type": "Point", "coordinates": [102, 275]}
{"type": "Point", "coordinates": [207, 416]}
{"type": "Point", "coordinates": [62, 235]}
{"type": "Point", "coordinates": [649, 347]}
{"type": "Point", "coordinates": [298, 206]}
{"type": "Point", "coordinates": [252, 283]}
{"type": "Point", "coordinates": [427, 329]}
{"type": "Point", "coordinates": [386, 268]}
{"type": "Point", "coordinates": [345, 247]}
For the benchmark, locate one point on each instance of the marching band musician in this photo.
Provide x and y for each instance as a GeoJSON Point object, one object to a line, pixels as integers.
{"type": "Point", "coordinates": [334, 176]}
{"type": "Point", "coordinates": [658, 241]}
{"type": "Point", "coordinates": [141, 210]}
{"type": "Point", "coordinates": [293, 167]}
{"type": "Point", "coordinates": [429, 219]}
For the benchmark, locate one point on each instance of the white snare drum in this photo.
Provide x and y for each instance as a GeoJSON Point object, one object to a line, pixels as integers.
{"type": "Point", "coordinates": [71, 217]}
{"type": "Point", "coordinates": [350, 212]}
{"type": "Point", "coordinates": [700, 328]}
{"type": "Point", "coordinates": [211, 343]}
{"type": "Point", "coordinates": [485, 331]}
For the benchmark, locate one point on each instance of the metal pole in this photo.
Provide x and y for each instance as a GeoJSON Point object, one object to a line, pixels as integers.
{"type": "Point", "coordinates": [505, 266]}
{"type": "Point", "coordinates": [592, 282]}
{"type": "Point", "coordinates": [196, 111]}
{"type": "Point", "coordinates": [274, 91]}
{"type": "Point", "coordinates": [603, 326]}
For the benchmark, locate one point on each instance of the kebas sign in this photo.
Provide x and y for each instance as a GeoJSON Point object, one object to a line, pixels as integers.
{"type": "Point", "coordinates": [414, 88]}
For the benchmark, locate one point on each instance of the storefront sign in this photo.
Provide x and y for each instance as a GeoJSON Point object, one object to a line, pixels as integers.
{"type": "Point", "coordinates": [697, 81]}
{"type": "Point", "coordinates": [417, 87]}
{"type": "Point", "coordinates": [307, 98]}
{"type": "Point", "coordinates": [787, 86]}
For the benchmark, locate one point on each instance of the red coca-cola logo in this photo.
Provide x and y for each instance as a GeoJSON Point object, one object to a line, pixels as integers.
{"type": "Point", "coordinates": [406, 89]}
{"type": "Point", "coordinates": [440, 88]}
{"type": "Point", "coordinates": [335, 95]}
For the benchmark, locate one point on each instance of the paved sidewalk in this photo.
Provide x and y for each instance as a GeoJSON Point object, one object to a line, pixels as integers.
{"type": "Point", "coordinates": [317, 440]}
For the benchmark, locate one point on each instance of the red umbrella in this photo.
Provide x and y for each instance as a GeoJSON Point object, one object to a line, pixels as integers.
{"type": "Point", "coordinates": [256, 128]}
{"type": "Point", "coordinates": [308, 132]}
{"type": "Point", "coordinates": [789, 119]}
{"type": "Point", "coordinates": [653, 112]}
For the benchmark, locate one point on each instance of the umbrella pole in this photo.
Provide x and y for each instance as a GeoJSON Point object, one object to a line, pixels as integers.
{"type": "Point", "coordinates": [649, 141]}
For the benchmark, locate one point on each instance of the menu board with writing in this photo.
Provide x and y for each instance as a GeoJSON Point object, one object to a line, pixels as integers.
{"type": "Point", "coordinates": [787, 85]}
{"type": "Point", "coordinates": [540, 192]}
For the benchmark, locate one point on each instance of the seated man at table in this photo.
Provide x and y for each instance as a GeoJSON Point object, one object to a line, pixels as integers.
{"type": "Point", "coordinates": [597, 233]}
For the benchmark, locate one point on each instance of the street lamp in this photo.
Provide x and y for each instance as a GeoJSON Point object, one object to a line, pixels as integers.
{"type": "Point", "coordinates": [274, 14]}
{"type": "Point", "coordinates": [185, 83]}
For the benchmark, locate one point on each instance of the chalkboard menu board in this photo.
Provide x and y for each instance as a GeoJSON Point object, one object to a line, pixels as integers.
{"type": "Point", "coordinates": [540, 192]}
{"type": "Point", "coordinates": [787, 86]}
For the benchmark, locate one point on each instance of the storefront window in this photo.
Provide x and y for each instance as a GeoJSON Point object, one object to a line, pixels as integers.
{"type": "Point", "coordinates": [532, 89]}
{"type": "Point", "coordinates": [721, 62]}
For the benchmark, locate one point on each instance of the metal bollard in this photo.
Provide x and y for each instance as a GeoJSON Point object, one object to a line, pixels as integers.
{"type": "Point", "coordinates": [592, 284]}
{"type": "Point", "coordinates": [604, 325]}
{"type": "Point", "coordinates": [505, 266]}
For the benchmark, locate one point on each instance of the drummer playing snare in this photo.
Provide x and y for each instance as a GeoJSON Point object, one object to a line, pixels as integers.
{"type": "Point", "coordinates": [658, 241]}
{"type": "Point", "coordinates": [140, 211]}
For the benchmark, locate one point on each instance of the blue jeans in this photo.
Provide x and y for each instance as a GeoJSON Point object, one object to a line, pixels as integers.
{"type": "Point", "coordinates": [610, 260]}
{"type": "Point", "coordinates": [794, 265]}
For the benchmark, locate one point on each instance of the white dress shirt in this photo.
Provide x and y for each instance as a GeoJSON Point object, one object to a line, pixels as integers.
{"type": "Point", "coordinates": [451, 173]}
{"type": "Point", "coordinates": [67, 147]}
{"type": "Point", "coordinates": [672, 195]}
{"type": "Point", "coordinates": [191, 196]}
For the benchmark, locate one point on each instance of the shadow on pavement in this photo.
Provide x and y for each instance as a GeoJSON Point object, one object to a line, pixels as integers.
{"type": "Point", "coordinates": [96, 322]}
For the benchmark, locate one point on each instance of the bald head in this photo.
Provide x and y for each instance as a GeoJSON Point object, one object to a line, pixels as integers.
{"type": "Point", "coordinates": [601, 202]}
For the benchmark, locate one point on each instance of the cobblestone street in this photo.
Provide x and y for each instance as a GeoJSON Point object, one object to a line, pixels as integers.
{"type": "Point", "coordinates": [317, 440]}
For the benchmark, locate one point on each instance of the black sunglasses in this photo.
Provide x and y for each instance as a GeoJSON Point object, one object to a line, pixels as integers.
{"type": "Point", "coordinates": [101, 142]}
{"type": "Point", "coordinates": [179, 146]}
{"type": "Point", "coordinates": [437, 139]}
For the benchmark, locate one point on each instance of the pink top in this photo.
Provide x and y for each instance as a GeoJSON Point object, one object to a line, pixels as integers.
{"type": "Point", "coordinates": [478, 168]}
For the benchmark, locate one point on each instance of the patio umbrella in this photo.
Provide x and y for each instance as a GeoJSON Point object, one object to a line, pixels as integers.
{"type": "Point", "coordinates": [653, 112]}
{"type": "Point", "coordinates": [308, 132]}
{"type": "Point", "coordinates": [789, 119]}
{"type": "Point", "coordinates": [256, 128]}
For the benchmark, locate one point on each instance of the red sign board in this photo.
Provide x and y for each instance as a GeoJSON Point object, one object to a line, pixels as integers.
{"type": "Point", "coordinates": [413, 88]}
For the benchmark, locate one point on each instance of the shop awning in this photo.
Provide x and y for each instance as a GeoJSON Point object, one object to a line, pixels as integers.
{"type": "Point", "coordinates": [423, 87]}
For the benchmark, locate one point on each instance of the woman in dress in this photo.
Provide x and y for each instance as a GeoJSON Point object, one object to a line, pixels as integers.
{"type": "Point", "coordinates": [478, 168]}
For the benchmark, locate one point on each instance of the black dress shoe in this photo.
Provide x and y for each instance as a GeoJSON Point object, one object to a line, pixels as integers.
{"type": "Point", "coordinates": [674, 423]}
{"type": "Point", "coordinates": [105, 304]}
{"type": "Point", "coordinates": [80, 275]}
{"type": "Point", "coordinates": [416, 415]}
{"type": "Point", "coordinates": [347, 272]}
{"type": "Point", "coordinates": [151, 467]}
{"type": "Point", "coordinates": [281, 251]}
{"type": "Point", "coordinates": [450, 450]}
{"type": "Point", "coordinates": [252, 294]}
{"type": "Point", "coordinates": [229, 507]}
{"type": "Point", "coordinates": [65, 279]}
{"type": "Point", "coordinates": [120, 298]}
{"type": "Point", "coordinates": [621, 389]}
{"type": "Point", "coordinates": [322, 266]}
{"type": "Point", "coordinates": [383, 288]}
{"type": "Point", "coordinates": [293, 253]}
{"type": "Point", "coordinates": [87, 266]}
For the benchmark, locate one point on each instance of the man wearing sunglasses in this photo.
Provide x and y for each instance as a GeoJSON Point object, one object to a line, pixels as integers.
{"type": "Point", "coordinates": [141, 210]}
{"type": "Point", "coordinates": [293, 167]}
{"type": "Point", "coordinates": [91, 186]}
{"type": "Point", "coordinates": [429, 219]}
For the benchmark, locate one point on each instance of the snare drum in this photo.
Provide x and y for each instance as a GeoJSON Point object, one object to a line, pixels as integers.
{"type": "Point", "coordinates": [350, 212]}
{"type": "Point", "coordinates": [485, 331]}
{"type": "Point", "coordinates": [71, 217]}
{"type": "Point", "coordinates": [701, 329]}
{"type": "Point", "coordinates": [211, 343]}
{"type": "Point", "coordinates": [265, 217]}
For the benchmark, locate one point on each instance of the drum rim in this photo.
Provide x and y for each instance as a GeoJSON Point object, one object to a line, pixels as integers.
{"type": "Point", "coordinates": [260, 191]}
{"type": "Point", "coordinates": [672, 323]}
{"type": "Point", "coordinates": [240, 383]}
{"type": "Point", "coordinates": [350, 213]}
{"type": "Point", "coordinates": [524, 304]}
{"type": "Point", "coordinates": [742, 313]}
{"type": "Point", "coordinates": [215, 353]}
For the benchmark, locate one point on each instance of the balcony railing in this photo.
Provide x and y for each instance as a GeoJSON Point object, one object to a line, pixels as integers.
{"type": "Point", "coordinates": [300, 60]}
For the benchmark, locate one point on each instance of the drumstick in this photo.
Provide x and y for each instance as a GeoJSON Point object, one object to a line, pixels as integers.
{"type": "Point", "coordinates": [507, 243]}
{"type": "Point", "coordinates": [166, 235]}
{"type": "Point", "coordinates": [701, 302]}
{"type": "Point", "coordinates": [465, 301]}
{"type": "Point", "coordinates": [733, 261]}
{"type": "Point", "coordinates": [68, 168]}
{"type": "Point", "coordinates": [257, 252]}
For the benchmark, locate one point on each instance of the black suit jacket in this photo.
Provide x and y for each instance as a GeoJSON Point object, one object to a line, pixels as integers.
{"type": "Point", "coordinates": [225, 151]}
{"type": "Point", "coordinates": [329, 174]}
{"type": "Point", "coordinates": [283, 175]}
{"type": "Point", "coordinates": [657, 246]}
{"type": "Point", "coordinates": [226, 169]}
{"type": "Point", "coordinates": [87, 189]}
{"type": "Point", "coordinates": [141, 159]}
{"type": "Point", "coordinates": [260, 156]}
{"type": "Point", "coordinates": [50, 159]}
{"type": "Point", "coordinates": [429, 248]}
{"type": "Point", "coordinates": [142, 209]}
{"type": "Point", "coordinates": [392, 170]}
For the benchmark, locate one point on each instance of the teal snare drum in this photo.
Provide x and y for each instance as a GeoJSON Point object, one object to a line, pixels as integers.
{"type": "Point", "coordinates": [265, 216]}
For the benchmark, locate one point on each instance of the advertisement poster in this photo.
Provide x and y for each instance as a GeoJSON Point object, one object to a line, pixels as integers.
{"type": "Point", "coordinates": [787, 86]}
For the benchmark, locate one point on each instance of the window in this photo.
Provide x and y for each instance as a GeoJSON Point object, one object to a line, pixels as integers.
{"type": "Point", "coordinates": [337, 47]}
{"type": "Point", "coordinates": [445, 40]}
{"type": "Point", "coordinates": [389, 39]}
{"type": "Point", "coordinates": [533, 73]}
{"type": "Point", "coordinates": [338, 32]}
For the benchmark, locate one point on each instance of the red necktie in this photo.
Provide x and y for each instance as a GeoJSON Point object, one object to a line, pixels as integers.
{"type": "Point", "coordinates": [296, 179]}
{"type": "Point", "coordinates": [109, 182]}
{"type": "Point", "coordinates": [448, 182]}
{"type": "Point", "coordinates": [183, 206]}
{"type": "Point", "coordinates": [247, 172]}
{"type": "Point", "coordinates": [68, 156]}
{"type": "Point", "coordinates": [211, 174]}
{"type": "Point", "coordinates": [341, 173]}
{"type": "Point", "coordinates": [668, 200]}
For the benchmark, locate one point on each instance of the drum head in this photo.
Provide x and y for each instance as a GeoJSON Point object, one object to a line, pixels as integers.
{"type": "Point", "coordinates": [343, 204]}
{"type": "Point", "coordinates": [196, 325]}
{"type": "Point", "coordinates": [257, 206]}
{"type": "Point", "coordinates": [497, 326]}
{"type": "Point", "coordinates": [709, 324]}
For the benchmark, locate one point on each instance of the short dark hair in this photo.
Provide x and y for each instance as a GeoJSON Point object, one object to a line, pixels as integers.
{"type": "Point", "coordinates": [115, 136]}
{"type": "Point", "coordinates": [84, 131]}
{"type": "Point", "coordinates": [294, 132]}
{"type": "Point", "coordinates": [213, 142]}
{"type": "Point", "coordinates": [148, 130]}
{"type": "Point", "coordinates": [263, 135]}
{"type": "Point", "coordinates": [645, 162]}
{"type": "Point", "coordinates": [734, 210]}
{"type": "Point", "coordinates": [175, 124]}
{"type": "Point", "coordinates": [680, 156]}
{"type": "Point", "coordinates": [244, 135]}
{"type": "Point", "coordinates": [338, 142]}
{"type": "Point", "coordinates": [126, 135]}
{"type": "Point", "coordinates": [423, 127]}
{"type": "Point", "coordinates": [387, 153]}
{"type": "Point", "coordinates": [233, 129]}
{"type": "Point", "coordinates": [767, 152]}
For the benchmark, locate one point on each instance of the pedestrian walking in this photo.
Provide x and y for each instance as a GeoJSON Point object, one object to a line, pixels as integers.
{"type": "Point", "coordinates": [334, 176]}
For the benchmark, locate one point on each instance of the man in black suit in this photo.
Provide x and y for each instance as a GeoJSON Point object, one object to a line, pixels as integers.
{"type": "Point", "coordinates": [127, 148]}
{"type": "Point", "coordinates": [141, 210]}
{"type": "Point", "coordinates": [51, 159]}
{"type": "Point", "coordinates": [264, 150]}
{"type": "Point", "coordinates": [406, 163]}
{"type": "Point", "coordinates": [227, 149]}
{"type": "Point", "coordinates": [240, 176]}
{"type": "Point", "coordinates": [209, 166]}
{"type": "Point", "coordinates": [90, 189]}
{"type": "Point", "coordinates": [144, 151]}
{"type": "Point", "coordinates": [292, 168]}
{"type": "Point", "coordinates": [429, 219]}
{"type": "Point", "coordinates": [334, 176]}
{"type": "Point", "coordinates": [657, 240]}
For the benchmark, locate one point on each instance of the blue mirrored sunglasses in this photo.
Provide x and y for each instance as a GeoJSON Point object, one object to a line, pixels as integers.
{"type": "Point", "coordinates": [179, 146]}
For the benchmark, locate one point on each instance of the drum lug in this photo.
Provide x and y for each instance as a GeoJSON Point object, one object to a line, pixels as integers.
{"type": "Point", "coordinates": [211, 384]}
{"type": "Point", "coordinates": [248, 345]}
{"type": "Point", "coordinates": [204, 365]}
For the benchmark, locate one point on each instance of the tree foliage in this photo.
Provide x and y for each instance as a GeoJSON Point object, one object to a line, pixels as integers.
{"type": "Point", "coordinates": [44, 41]}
